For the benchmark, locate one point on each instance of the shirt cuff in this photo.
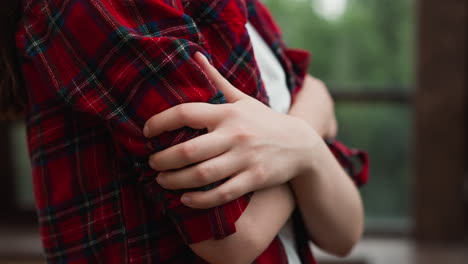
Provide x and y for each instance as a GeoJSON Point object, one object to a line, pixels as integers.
{"type": "Point", "coordinates": [196, 225]}
{"type": "Point", "coordinates": [354, 161]}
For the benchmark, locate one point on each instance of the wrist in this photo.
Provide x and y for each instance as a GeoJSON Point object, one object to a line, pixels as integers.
{"type": "Point", "coordinates": [313, 149]}
{"type": "Point", "coordinates": [314, 159]}
{"type": "Point", "coordinates": [315, 120]}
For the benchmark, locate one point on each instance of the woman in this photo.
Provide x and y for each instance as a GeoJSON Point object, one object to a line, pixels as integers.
{"type": "Point", "coordinates": [117, 91]}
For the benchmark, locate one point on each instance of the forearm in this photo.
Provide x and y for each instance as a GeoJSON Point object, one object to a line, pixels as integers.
{"type": "Point", "coordinates": [326, 196]}
{"type": "Point", "coordinates": [330, 203]}
{"type": "Point", "coordinates": [267, 212]}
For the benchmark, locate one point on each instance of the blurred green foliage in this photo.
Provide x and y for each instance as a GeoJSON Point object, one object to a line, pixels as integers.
{"type": "Point", "coordinates": [382, 130]}
{"type": "Point", "coordinates": [368, 48]}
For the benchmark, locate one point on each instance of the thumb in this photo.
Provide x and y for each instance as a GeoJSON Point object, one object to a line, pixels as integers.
{"type": "Point", "coordinates": [231, 93]}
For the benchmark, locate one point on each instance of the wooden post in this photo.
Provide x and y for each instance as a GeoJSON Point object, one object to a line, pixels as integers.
{"type": "Point", "coordinates": [440, 152]}
{"type": "Point", "coordinates": [7, 191]}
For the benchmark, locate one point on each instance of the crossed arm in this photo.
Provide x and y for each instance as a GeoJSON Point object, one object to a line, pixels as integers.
{"type": "Point", "coordinates": [265, 159]}
{"type": "Point", "coordinates": [80, 78]}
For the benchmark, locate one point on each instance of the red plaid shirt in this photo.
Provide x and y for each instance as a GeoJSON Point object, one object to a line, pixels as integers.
{"type": "Point", "coordinates": [95, 71]}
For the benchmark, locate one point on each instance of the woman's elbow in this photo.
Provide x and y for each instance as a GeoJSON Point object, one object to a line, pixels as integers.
{"type": "Point", "coordinates": [251, 249]}
{"type": "Point", "coordinates": [254, 243]}
{"type": "Point", "coordinates": [342, 251]}
{"type": "Point", "coordinates": [242, 247]}
{"type": "Point", "coordinates": [344, 245]}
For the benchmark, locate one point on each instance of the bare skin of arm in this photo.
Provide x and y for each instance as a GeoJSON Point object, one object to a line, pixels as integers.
{"type": "Point", "coordinates": [336, 207]}
{"type": "Point", "coordinates": [258, 158]}
{"type": "Point", "coordinates": [267, 212]}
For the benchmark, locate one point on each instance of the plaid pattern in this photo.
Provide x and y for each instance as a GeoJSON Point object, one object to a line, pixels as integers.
{"type": "Point", "coordinates": [96, 70]}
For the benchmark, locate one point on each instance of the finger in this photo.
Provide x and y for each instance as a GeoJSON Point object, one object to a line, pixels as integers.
{"type": "Point", "coordinates": [231, 93]}
{"type": "Point", "coordinates": [198, 149]}
{"type": "Point", "coordinates": [226, 192]}
{"type": "Point", "coordinates": [194, 115]}
{"type": "Point", "coordinates": [202, 174]}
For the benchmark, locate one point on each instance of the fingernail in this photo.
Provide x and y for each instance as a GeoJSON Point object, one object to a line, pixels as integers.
{"type": "Point", "coordinates": [151, 164]}
{"type": "Point", "coordinates": [146, 131]}
{"type": "Point", "coordinates": [159, 179]}
{"type": "Point", "coordinates": [202, 56]}
{"type": "Point", "coordinates": [185, 199]}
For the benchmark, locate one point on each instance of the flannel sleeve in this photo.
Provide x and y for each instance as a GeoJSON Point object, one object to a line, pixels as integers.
{"type": "Point", "coordinates": [123, 62]}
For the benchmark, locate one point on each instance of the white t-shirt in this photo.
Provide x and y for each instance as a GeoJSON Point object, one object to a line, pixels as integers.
{"type": "Point", "coordinates": [274, 79]}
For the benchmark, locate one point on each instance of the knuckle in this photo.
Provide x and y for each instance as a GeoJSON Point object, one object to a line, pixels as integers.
{"type": "Point", "coordinates": [226, 195]}
{"type": "Point", "coordinates": [187, 150]}
{"type": "Point", "coordinates": [260, 174]}
{"type": "Point", "coordinates": [183, 112]}
{"type": "Point", "coordinates": [232, 111]}
{"type": "Point", "coordinates": [203, 173]}
{"type": "Point", "coordinates": [242, 135]}
{"type": "Point", "coordinates": [238, 109]}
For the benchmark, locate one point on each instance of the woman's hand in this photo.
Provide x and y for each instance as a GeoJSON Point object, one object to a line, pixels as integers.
{"type": "Point", "coordinates": [247, 142]}
{"type": "Point", "coordinates": [315, 105]}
